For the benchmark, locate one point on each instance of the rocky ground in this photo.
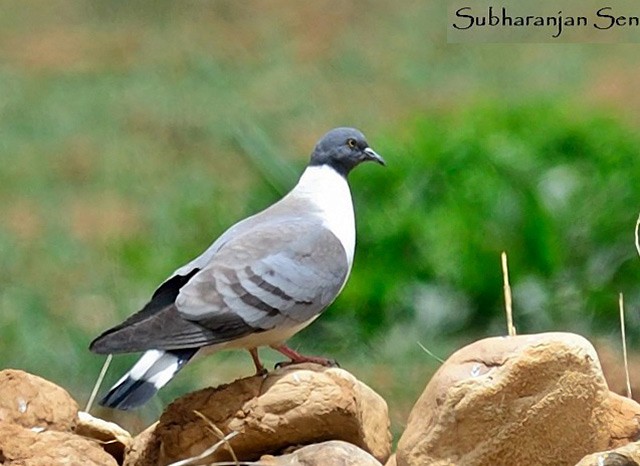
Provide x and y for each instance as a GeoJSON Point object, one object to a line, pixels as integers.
{"type": "Point", "coordinates": [525, 400]}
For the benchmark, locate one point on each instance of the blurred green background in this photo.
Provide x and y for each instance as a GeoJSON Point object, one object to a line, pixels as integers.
{"type": "Point", "coordinates": [133, 133]}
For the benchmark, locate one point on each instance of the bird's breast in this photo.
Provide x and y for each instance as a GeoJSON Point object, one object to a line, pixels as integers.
{"type": "Point", "coordinates": [330, 197]}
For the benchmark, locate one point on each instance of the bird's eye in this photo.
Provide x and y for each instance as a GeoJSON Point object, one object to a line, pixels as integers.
{"type": "Point", "coordinates": [351, 143]}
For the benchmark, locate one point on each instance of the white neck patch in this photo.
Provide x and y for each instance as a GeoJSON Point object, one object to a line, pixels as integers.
{"type": "Point", "coordinates": [329, 192]}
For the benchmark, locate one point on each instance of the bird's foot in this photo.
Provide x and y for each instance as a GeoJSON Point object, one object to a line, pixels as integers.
{"type": "Point", "coordinates": [297, 358]}
{"type": "Point", "coordinates": [261, 371]}
{"type": "Point", "coordinates": [322, 361]}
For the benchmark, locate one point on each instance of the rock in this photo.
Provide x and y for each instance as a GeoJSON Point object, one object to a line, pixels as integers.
{"type": "Point", "coordinates": [31, 401]}
{"type": "Point", "coordinates": [624, 422]}
{"type": "Point", "coordinates": [628, 455]}
{"type": "Point", "coordinates": [525, 400]}
{"type": "Point", "coordinates": [331, 453]}
{"type": "Point", "coordinates": [296, 405]}
{"type": "Point", "coordinates": [391, 461]}
{"type": "Point", "coordinates": [143, 449]}
{"type": "Point", "coordinates": [20, 446]}
{"type": "Point", "coordinates": [113, 438]}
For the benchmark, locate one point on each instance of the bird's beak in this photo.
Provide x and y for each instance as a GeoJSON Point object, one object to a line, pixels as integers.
{"type": "Point", "coordinates": [372, 155]}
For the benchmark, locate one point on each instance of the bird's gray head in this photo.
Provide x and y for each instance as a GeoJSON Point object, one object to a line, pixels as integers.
{"type": "Point", "coordinates": [343, 149]}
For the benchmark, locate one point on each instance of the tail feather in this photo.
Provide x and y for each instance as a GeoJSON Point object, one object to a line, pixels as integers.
{"type": "Point", "coordinates": [152, 371]}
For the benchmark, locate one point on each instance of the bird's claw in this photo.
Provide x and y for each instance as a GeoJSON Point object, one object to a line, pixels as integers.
{"type": "Point", "coordinates": [321, 361]}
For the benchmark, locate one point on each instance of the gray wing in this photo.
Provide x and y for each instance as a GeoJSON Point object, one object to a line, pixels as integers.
{"type": "Point", "coordinates": [277, 274]}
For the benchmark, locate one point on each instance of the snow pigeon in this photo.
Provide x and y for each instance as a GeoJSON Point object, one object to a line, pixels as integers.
{"type": "Point", "coordinates": [265, 279]}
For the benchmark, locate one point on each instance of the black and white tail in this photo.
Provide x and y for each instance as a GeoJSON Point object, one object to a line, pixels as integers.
{"type": "Point", "coordinates": [152, 371]}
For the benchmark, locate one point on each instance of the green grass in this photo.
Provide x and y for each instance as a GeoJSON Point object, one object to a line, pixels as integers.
{"type": "Point", "coordinates": [131, 136]}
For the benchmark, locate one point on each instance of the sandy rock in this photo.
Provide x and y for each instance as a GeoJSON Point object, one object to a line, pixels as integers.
{"type": "Point", "coordinates": [113, 438]}
{"type": "Point", "coordinates": [624, 420]}
{"type": "Point", "coordinates": [31, 401]}
{"type": "Point", "coordinates": [20, 446]}
{"type": "Point", "coordinates": [525, 400]}
{"type": "Point", "coordinates": [391, 461]}
{"type": "Point", "coordinates": [628, 455]}
{"type": "Point", "coordinates": [331, 453]}
{"type": "Point", "coordinates": [295, 405]}
{"type": "Point", "coordinates": [143, 449]}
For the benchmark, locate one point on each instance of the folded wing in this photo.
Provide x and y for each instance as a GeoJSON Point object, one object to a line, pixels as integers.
{"type": "Point", "coordinates": [277, 274]}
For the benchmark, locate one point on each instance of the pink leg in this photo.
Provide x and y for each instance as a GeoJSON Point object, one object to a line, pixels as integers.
{"type": "Point", "coordinates": [260, 370]}
{"type": "Point", "coordinates": [297, 358]}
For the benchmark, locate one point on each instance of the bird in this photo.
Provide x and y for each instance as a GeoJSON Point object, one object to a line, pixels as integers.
{"type": "Point", "coordinates": [263, 280]}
